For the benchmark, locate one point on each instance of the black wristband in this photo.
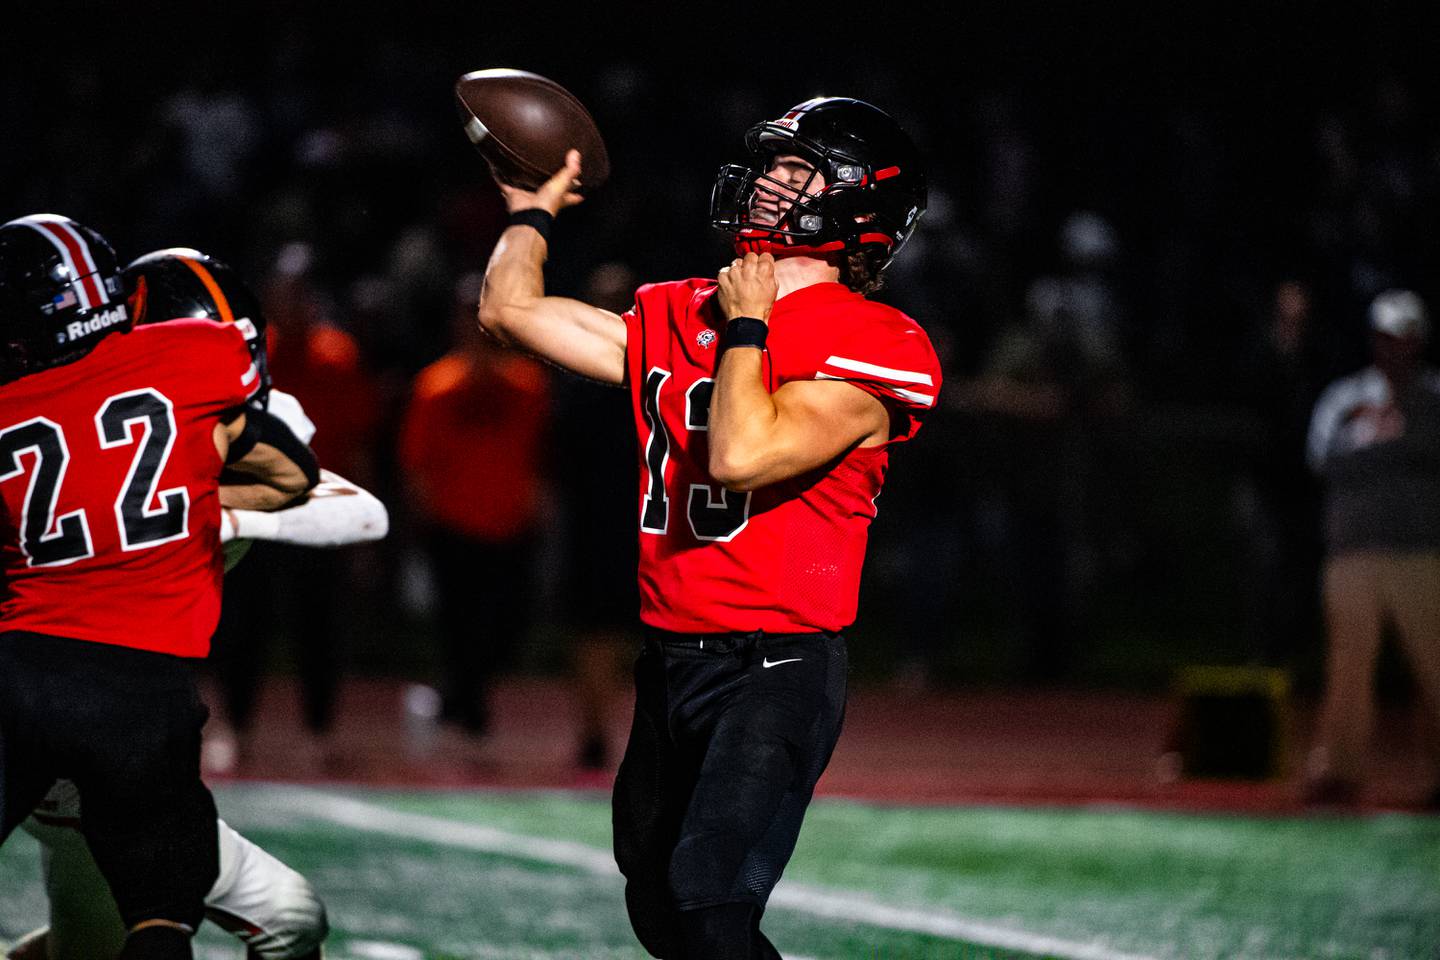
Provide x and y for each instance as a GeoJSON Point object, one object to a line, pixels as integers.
{"type": "Point", "coordinates": [245, 442]}
{"type": "Point", "coordinates": [535, 218]}
{"type": "Point", "coordinates": [744, 332]}
{"type": "Point", "coordinates": [274, 432]}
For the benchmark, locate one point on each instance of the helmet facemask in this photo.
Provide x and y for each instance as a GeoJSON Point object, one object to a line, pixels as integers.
{"type": "Point", "coordinates": [810, 219]}
{"type": "Point", "coordinates": [870, 194]}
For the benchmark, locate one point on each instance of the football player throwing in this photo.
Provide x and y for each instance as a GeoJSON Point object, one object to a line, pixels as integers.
{"type": "Point", "coordinates": [766, 403]}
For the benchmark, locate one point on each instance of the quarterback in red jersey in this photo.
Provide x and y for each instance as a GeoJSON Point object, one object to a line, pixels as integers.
{"type": "Point", "coordinates": [765, 403]}
{"type": "Point", "coordinates": [112, 441]}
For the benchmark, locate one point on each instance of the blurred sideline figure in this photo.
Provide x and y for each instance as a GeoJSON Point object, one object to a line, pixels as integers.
{"type": "Point", "coordinates": [270, 907]}
{"type": "Point", "coordinates": [597, 468]}
{"type": "Point", "coordinates": [1283, 370]}
{"type": "Point", "coordinates": [1375, 442]}
{"type": "Point", "coordinates": [1051, 389]}
{"type": "Point", "coordinates": [289, 589]}
{"type": "Point", "coordinates": [471, 445]}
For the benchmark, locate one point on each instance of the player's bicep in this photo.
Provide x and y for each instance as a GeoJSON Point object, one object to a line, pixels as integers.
{"type": "Point", "coordinates": [228, 429]}
{"type": "Point", "coordinates": [818, 420]}
{"type": "Point", "coordinates": [583, 339]}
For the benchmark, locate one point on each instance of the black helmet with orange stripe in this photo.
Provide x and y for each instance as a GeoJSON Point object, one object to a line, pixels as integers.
{"type": "Point", "coordinates": [61, 293]}
{"type": "Point", "coordinates": [867, 191]}
{"type": "Point", "coordinates": [179, 282]}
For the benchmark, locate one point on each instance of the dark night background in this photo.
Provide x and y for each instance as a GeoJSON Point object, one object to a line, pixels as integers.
{"type": "Point", "coordinates": [1151, 242]}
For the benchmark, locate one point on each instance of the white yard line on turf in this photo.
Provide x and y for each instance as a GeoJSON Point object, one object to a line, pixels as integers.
{"type": "Point", "coordinates": [349, 812]}
{"type": "Point", "coordinates": [380, 950]}
{"type": "Point", "coordinates": [817, 901]}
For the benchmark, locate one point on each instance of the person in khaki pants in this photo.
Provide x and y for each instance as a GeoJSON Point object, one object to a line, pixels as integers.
{"type": "Point", "coordinates": [1375, 442]}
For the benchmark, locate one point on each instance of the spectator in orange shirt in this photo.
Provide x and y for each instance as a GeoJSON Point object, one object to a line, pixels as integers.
{"type": "Point", "coordinates": [472, 444]}
{"type": "Point", "coordinates": [320, 363]}
{"type": "Point", "coordinates": [291, 590]}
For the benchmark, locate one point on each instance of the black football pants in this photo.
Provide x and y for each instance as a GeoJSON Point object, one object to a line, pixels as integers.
{"type": "Point", "coordinates": [730, 734]}
{"type": "Point", "coordinates": [125, 726]}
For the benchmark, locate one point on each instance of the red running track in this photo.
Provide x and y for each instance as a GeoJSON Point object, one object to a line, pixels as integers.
{"type": "Point", "coordinates": [1063, 747]}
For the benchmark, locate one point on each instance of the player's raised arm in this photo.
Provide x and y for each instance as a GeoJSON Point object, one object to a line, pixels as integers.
{"type": "Point", "coordinates": [513, 306]}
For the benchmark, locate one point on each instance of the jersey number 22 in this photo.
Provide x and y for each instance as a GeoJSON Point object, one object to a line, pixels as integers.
{"type": "Point", "coordinates": [145, 517]}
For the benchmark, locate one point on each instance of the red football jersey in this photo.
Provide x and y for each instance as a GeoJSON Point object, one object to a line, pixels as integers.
{"type": "Point", "coordinates": [785, 558]}
{"type": "Point", "coordinates": [109, 503]}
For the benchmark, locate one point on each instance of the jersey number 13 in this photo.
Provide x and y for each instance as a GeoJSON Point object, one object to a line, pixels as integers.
{"type": "Point", "coordinates": [714, 512]}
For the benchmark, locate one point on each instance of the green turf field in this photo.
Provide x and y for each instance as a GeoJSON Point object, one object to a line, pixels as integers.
{"type": "Point", "coordinates": [516, 876]}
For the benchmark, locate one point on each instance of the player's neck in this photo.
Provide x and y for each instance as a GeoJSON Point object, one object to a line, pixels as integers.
{"type": "Point", "coordinates": [796, 273]}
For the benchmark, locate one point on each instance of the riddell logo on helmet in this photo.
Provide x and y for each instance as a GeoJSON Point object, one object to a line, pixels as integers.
{"type": "Point", "coordinates": [76, 329]}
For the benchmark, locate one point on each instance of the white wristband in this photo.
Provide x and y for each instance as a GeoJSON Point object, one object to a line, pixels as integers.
{"type": "Point", "coordinates": [256, 524]}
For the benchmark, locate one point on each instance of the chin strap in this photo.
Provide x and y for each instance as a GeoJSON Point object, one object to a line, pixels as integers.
{"type": "Point", "coordinates": [776, 245]}
{"type": "Point", "coordinates": [778, 248]}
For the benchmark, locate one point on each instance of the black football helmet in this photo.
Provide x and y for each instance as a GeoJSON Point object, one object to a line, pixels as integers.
{"type": "Point", "coordinates": [61, 293]}
{"type": "Point", "coordinates": [180, 282]}
{"type": "Point", "coordinates": [874, 183]}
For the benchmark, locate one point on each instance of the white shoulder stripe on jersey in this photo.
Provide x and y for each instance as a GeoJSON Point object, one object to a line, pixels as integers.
{"type": "Point", "coordinates": [889, 373]}
{"type": "Point", "coordinates": [912, 395]}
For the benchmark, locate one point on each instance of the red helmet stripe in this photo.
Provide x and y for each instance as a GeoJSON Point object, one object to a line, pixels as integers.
{"type": "Point", "coordinates": [887, 173]}
{"type": "Point", "coordinates": [77, 241]}
{"type": "Point", "coordinates": [76, 252]}
{"type": "Point", "coordinates": [79, 251]}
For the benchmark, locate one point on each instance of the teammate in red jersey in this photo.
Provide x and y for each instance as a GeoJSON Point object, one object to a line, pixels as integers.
{"type": "Point", "coordinates": [112, 441]}
{"type": "Point", "coordinates": [271, 907]}
{"type": "Point", "coordinates": [766, 403]}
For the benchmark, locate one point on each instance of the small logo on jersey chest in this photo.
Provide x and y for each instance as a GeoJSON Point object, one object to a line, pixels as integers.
{"type": "Point", "coordinates": [706, 338]}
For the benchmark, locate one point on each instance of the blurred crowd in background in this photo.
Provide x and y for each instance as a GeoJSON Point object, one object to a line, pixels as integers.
{"type": "Point", "coordinates": [1144, 258]}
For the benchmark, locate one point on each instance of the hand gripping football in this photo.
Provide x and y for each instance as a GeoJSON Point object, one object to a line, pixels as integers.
{"type": "Point", "coordinates": [523, 124]}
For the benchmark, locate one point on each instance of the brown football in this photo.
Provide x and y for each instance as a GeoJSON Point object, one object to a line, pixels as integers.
{"type": "Point", "coordinates": [523, 124]}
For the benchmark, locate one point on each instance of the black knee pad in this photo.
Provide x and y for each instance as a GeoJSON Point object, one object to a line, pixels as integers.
{"type": "Point", "coordinates": [652, 917]}
{"type": "Point", "coordinates": [704, 867]}
{"type": "Point", "coordinates": [158, 872]}
{"type": "Point", "coordinates": [726, 931]}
